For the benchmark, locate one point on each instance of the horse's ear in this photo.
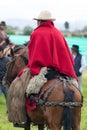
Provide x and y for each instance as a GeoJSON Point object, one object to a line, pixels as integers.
{"type": "Point", "coordinates": [11, 52]}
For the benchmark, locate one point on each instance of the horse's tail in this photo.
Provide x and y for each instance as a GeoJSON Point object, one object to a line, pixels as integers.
{"type": "Point", "coordinates": [67, 113]}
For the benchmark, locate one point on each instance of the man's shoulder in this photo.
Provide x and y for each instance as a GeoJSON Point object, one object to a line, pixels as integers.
{"type": "Point", "coordinates": [46, 31]}
{"type": "Point", "coordinates": [5, 58]}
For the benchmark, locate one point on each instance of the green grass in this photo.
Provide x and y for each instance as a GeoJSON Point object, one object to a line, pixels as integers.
{"type": "Point", "coordinates": [84, 109]}
{"type": "Point", "coordinates": [5, 125]}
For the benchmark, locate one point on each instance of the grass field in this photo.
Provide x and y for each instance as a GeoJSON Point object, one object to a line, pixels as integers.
{"type": "Point", "coordinates": [5, 125]}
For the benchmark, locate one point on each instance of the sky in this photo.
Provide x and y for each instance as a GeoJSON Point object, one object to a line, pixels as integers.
{"type": "Point", "coordinates": [62, 10]}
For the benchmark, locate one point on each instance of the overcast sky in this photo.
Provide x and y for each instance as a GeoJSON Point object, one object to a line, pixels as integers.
{"type": "Point", "coordinates": [71, 10]}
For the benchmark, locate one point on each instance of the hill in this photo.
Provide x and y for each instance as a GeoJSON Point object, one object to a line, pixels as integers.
{"type": "Point", "coordinates": [21, 23]}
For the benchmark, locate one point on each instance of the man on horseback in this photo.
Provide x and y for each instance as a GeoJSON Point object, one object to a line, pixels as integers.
{"type": "Point", "coordinates": [48, 48]}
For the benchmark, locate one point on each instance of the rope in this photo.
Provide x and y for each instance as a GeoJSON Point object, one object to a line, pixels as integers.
{"type": "Point", "coordinates": [62, 104]}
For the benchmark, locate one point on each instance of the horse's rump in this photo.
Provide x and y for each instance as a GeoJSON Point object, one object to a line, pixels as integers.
{"type": "Point", "coordinates": [16, 98]}
{"type": "Point", "coordinates": [52, 101]}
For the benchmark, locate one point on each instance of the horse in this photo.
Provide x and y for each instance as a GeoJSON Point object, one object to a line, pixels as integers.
{"type": "Point", "coordinates": [58, 104]}
{"type": "Point", "coordinates": [13, 52]}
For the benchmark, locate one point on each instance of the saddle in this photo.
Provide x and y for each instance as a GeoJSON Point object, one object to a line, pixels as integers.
{"type": "Point", "coordinates": [52, 74]}
{"type": "Point", "coordinates": [31, 102]}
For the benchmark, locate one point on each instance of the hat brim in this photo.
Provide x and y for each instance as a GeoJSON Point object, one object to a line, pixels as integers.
{"type": "Point", "coordinates": [44, 19]}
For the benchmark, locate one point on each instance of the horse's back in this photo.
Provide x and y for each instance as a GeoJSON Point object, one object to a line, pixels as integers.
{"type": "Point", "coordinates": [58, 88]}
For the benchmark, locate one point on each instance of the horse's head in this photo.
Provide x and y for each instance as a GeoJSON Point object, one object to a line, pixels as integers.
{"type": "Point", "coordinates": [4, 41]}
{"type": "Point", "coordinates": [14, 66]}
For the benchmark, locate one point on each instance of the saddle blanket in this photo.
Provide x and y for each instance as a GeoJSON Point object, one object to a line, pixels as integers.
{"type": "Point", "coordinates": [37, 82]}
{"type": "Point", "coordinates": [31, 103]}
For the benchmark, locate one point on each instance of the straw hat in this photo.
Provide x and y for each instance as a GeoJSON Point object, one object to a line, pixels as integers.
{"type": "Point", "coordinates": [45, 15]}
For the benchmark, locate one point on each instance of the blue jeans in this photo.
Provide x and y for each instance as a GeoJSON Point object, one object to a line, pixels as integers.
{"type": "Point", "coordinates": [3, 90]}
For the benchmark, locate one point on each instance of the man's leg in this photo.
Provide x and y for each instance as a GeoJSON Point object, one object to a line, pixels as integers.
{"type": "Point", "coordinates": [0, 88]}
{"type": "Point", "coordinates": [4, 90]}
{"type": "Point", "coordinates": [80, 83]}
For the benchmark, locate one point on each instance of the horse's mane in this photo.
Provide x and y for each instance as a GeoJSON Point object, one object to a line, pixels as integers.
{"type": "Point", "coordinates": [17, 47]}
{"type": "Point", "coordinates": [24, 59]}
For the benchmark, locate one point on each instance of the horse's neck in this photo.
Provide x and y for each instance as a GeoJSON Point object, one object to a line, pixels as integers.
{"type": "Point", "coordinates": [20, 50]}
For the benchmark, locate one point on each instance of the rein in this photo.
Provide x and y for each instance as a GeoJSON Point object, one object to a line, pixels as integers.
{"type": "Point", "coordinates": [42, 99]}
{"type": "Point", "coordinates": [9, 70]}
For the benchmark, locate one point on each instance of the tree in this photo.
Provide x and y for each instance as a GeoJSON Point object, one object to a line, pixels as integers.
{"type": "Point", "coordinates": [66, 25]}
{"type": "Point", "coordinates": [10, 30]}
{"type": "Point", "coordinates": [85, 29]}
{"type": "Point", "coordinates": [27, 30]}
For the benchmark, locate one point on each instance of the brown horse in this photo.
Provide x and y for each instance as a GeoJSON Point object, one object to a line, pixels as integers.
{"type": "Point", "coordinates": [59, 103]}
{"type": "Point", "coordinates": [13, 66]}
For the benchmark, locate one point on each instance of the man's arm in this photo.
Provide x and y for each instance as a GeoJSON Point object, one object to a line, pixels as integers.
{"type": "Point", "coordinates": [83, 64]}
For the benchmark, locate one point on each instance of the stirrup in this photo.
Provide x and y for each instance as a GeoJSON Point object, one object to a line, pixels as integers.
{"type": "Point", "coordinates": [22, 124]}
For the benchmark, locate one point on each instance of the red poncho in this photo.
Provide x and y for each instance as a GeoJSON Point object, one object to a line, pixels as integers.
{"type": "Point", "coordinates": [47, 47]}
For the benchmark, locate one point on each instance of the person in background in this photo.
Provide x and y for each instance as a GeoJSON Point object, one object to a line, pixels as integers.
{"type": "Point", "coordinates": [3, 61]}
{"type": "Point", "coordinates": [4, 40]}
{"type": "Point", "coordinates": [79, 64]}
